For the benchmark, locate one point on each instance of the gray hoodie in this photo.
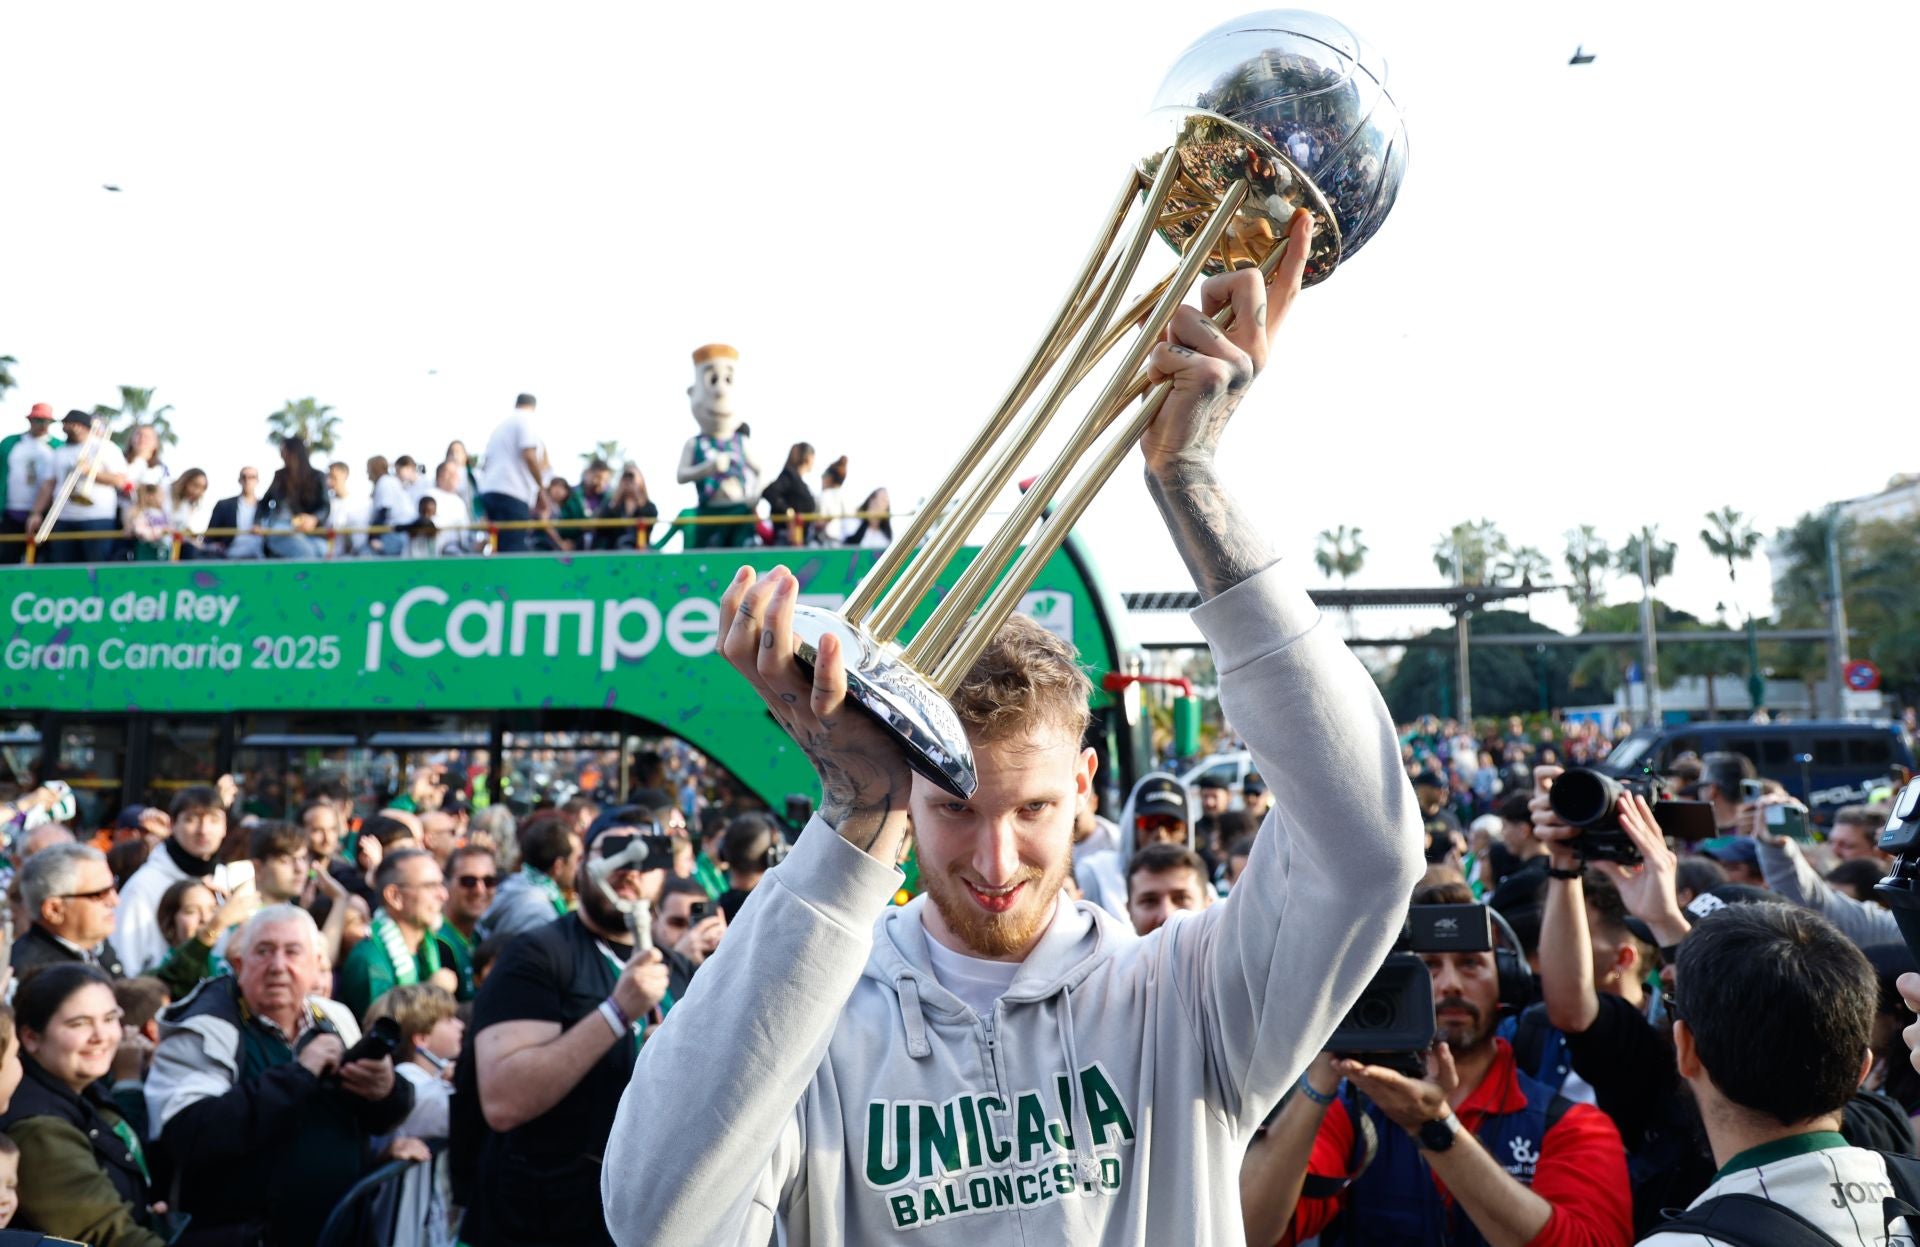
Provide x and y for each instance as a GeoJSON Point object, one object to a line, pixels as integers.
{"type": "Point", "coordinates": [818, 1077]}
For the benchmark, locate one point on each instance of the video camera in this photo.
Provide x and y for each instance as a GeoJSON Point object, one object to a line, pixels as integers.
{"type": "Point", "coordinates": [1900, 890]}
{"type": "Point", "coordinates": [1391, 1024]}
{"type": "Point", "coordinates": [1590, 800]}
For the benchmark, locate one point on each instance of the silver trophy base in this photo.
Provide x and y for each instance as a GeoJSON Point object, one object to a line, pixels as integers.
{"type": "Point", "coordinates": [898, 697]}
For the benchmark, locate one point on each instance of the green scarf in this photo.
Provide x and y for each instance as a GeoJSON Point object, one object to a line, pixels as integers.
{"type": "Point", "coordinates": [406, 970]}
{"type": "Point", "coordinates": [707, 874]}
{"type": "Point", "coordinates": [548, 888]}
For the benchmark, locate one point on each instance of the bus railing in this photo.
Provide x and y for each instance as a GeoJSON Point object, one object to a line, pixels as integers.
{"type": "Point", "coordinates": [795, 525]}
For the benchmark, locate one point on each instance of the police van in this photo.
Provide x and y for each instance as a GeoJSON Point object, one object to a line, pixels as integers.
{"type": "Point", "coordinates": [1825, 763]}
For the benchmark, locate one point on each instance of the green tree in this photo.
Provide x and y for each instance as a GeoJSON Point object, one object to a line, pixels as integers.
{"type": "Point", "coordinates": [1466, 554]}
{"type": "Point", "coordinates": [1728, 536]}
{"type": "Point", "coordinates": [1506, 678]}
{"type": "Point", "coordinates": [136, 408]}
{"type": "Point", "coordinates": [1660, 557]}
{"type": "Point", "coordinates": [1588, 558]}
{"type": "Point", "coordinates": [610, 453]}
{"type": "Point", "coordinates": [1522, 565]}
{"type": "Point", "coordinates": [308, 419]}
{"type": "Point", "coordinates": [1340, 552]}
{"type": "Point", "coordinates": [7, 364]}
{"type": "Point", "coordinates": [1880, 576]}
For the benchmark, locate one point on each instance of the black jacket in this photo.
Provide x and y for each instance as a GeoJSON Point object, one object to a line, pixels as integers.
{"type": "Point", "coordinates": [789, 492]}
{"type": "Point", "coordinates": [38, 947]}
{"type": "Point", "coordinates": [279, 1147]}
{"type": "Point", "coordinates": [281, 496]}
{"type": "Point", "coordinates": [85, 1181]}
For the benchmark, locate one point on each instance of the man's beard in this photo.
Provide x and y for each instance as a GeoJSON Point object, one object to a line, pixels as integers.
{"type": "Point", "coordinates": [599, 909]}
{"type": "Point", "coordinates": [997, 935]}
{"type": "Point", "coordinates": [1458, 1034]}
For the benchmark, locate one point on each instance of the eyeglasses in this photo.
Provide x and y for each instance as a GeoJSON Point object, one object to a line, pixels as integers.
{"type": "Point", "coordinates": [1159, 822]}
{"type": "Point", "coordinates": [478, 881]}
{"type": "Point", "coordinates": [98, 894]}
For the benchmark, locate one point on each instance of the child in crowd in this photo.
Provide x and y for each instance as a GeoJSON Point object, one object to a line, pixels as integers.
{"type": "Point", "coordinates": [430, 1035]}
{"type": "Point", "coordinates": [10, 1075]}
{"type": "Point", "coordinates": [152, 531]}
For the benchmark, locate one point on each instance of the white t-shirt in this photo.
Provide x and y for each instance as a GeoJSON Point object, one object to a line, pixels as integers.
{"type": "Point", "coordinates": [390, 494]}
{"type": "Point", "coordinates": [977, 981]}
{"type": "Point", "coordinates": [30, 463]}
{"type": "Point", "coordinates": [450, 517]}
{"type": "Point", "coordinates": [504, 471]}
{"type": "Point", "coordinates": [103, 502]}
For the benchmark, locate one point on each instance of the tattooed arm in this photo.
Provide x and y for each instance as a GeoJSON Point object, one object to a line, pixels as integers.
{"type": "Point", "coordinates": [864, 780]}
{"type": "Point", "coordinates": [1210, 369]}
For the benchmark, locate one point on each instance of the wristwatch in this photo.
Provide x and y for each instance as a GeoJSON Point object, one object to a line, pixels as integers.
{"type": "Point", "coordinates": [1438, 1135]}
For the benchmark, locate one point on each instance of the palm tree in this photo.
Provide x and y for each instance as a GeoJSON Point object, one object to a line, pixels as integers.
{"type": "Point", "coordinates": [1465, 555]}
{"type": "Point", "coordinates": [1340, 552]}
{"type": "Point", "coordinates": [308, 419]}
{"type": "Point", "coordinates": [1728, 536]}
{"type": "Point", "coordinates": [1659, 556]}
{"type": "Point", "coordinates": [609, 453]}
{"type": "Point", "coordinates": [136, 408]}
{"type": "Point", "coordinates": [7, 365]}
{"type": "Point", "coordinates": [1588, 557]}
{"type": "Point", "coordinates": [1525, 564]}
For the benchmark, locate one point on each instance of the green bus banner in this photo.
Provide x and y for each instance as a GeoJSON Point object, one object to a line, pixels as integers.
{"type": "Point", "coordinates": [634, 633]}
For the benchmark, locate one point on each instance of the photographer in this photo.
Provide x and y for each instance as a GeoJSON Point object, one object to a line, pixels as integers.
{"type": "Point", "coordinates": [1475, 1153]}
{"type": "Point", "coordinates": [1634, 1070]}
{"type": "Point", "coordinates": [1793, 878]}
{"type": "Point", "coordinates": [1772, 1082]}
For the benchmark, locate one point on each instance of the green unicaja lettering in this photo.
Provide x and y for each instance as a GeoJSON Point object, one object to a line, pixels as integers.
{"type": "Point", "coordinates": [1104, 1109]}
{"type": "Point", "coordinates": [938, 1138]}
{"type": "Point", "coordinates": [879, 1173]}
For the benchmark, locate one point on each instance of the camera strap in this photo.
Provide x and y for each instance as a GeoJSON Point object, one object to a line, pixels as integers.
{"type": "Point", "coordinates": [1366, 1145]}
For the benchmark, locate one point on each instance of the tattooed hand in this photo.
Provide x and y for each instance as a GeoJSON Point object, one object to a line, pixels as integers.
{"type": "Point", "coordinates": [864, 778]}
{"type": "Point", "coordinates": [1211, 369]}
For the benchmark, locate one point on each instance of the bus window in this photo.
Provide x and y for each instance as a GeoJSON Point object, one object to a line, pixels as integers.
{"type": "Point", "coordinates": [1829, 751]}
{"type": "Point", "coordinates": [1776, 754]}
{"type": "Point", "coordinates": [1875, 751]}
{"type": "Point", "coordinates": [181, 753]}
{"type": "Point", "coordinates": [92, 758]}
{"type": "Point", "coordinates": [1748, 745]}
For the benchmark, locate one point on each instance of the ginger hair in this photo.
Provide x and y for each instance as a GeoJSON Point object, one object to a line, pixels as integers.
{"type": "Point", "coordinates": [1027, 678]}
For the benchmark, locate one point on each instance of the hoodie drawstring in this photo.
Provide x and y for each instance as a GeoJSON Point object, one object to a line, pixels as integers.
{"type": "Point", "coordinates": [1085, 1167]}
{"type": "Point", "coordinates": [913, 1017]}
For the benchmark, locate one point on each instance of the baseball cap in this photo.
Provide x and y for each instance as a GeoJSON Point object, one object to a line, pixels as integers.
{"type": "Point", "coordinates": [1210, 780]}
{"type": "Point", "coordinates": [1428, 779]}
{"type": "Point", "coordinates": [1731, 849]}
{"type": "Point", "coordinates": [1160, 797]}
{"type": "Point", "coordinates": [41, 411]}
{"type": "Point", "coordinates": [129, 818]}
{"type": "Point", "coordinates": [1253, 785]}
{"type": "Point", "coordinates": [76, 416]}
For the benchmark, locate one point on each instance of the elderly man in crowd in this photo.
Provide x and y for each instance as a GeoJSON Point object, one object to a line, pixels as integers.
{"type": "Point", "coordinates": [267, 1126]}
{"type": "Point", "coordinates": [69, 891]}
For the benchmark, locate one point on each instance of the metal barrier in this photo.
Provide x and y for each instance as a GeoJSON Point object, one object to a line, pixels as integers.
{"type": "Point", "coordinates": [795, 524]}
{"type": "Point", "coordinates": [370, 1213]}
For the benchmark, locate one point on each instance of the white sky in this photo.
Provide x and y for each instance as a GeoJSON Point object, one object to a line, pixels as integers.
{"type": "Point", "coordinates": [1617, 294]}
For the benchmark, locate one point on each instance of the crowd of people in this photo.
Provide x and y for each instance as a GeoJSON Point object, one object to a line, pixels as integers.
{"type": "Point", "coordinates": [128, 502]}
{"type": "Point", "coordinates": [194, 992]}
{"type": "Point", "coordinates": [225, 1022]}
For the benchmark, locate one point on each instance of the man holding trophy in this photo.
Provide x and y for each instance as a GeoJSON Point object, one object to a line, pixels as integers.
{"type": "Point", "coordinates": [994, 1062]}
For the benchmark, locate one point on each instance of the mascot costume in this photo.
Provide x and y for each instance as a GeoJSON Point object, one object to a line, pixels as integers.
{"type": "Point", "coordinates": [719, 460]}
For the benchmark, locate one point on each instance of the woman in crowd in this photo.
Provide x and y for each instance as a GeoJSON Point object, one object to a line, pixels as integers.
{"type": "Point", "coordinates": [629, 501]}
{"type": "Point", "coordinates": [833, 505]}
{"type": "Point", "coordinates": [189, 511]}
{"type": "Point", "coordinates": [548, 504]}
{"type": "Point", "coordinates": [469, 491]}
{"type": "Point", "coordinates": [877, 530]}
{"type": "Point", "coordinates": [790, 492]}
{"type": "Point", "coordinates": [430, 1034]}
{"type": "Point", "coordinates": [193, 919]}
{"type": "Point", "coordinates": [83, 1172]}
{"type": "Point", "coordinates": [296, 505]}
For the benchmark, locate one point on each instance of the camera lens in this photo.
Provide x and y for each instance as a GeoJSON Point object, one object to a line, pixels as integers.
{"type": "Point", "coordinates": [1582, 798]}
{"type": "Point", "coordinates": [1373, 1013]}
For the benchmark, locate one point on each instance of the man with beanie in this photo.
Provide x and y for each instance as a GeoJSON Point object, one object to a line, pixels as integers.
{"type": "Point", "coordinates": [991, 1062]}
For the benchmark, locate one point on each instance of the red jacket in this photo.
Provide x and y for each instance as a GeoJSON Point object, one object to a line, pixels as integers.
{"type": "Point", "coordinates": [1582, 1169]}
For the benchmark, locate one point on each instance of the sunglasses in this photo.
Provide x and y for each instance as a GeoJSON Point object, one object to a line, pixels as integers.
{"type": "Point", "coordinates": [1158, 822]}
{"type": "Point", "coordinates": [99, 894]}
{"type": "Point", "coordinates": [477, 881]}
